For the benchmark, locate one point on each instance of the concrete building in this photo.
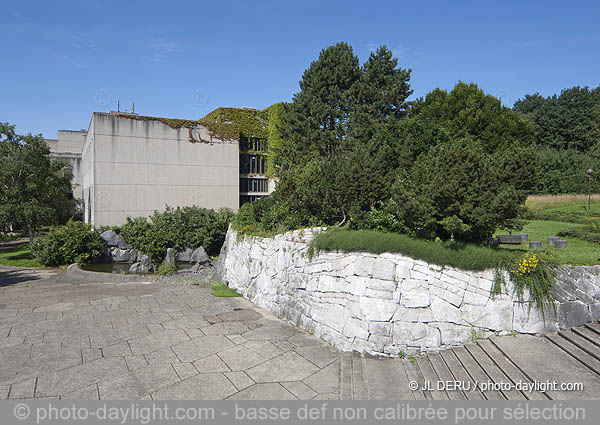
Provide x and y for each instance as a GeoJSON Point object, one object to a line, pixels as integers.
{"type": "Point", "coordinates": [68, 148]}
{"type": "Point", "coordinates": [127, 165]}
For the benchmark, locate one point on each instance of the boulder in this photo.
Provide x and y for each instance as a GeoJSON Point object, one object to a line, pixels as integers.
{"type": "Point", "coordinates": [170, 257]}
{"type": "Point", "coordinates": [111, 237]}
{"type": "Point", "coordinates": [185, 256]}
{"type": "Point", "coordinates": [124, 245]}
{"type": "Point", "coordinates": [118, 255]}
{"type": "Point", "coordinates": [142, 266]}
{"type": "Point", "coordinates": [199, 256]}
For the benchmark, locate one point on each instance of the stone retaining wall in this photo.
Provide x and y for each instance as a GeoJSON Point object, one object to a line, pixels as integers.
{"type": "Point", "coordinates": [390, 304]}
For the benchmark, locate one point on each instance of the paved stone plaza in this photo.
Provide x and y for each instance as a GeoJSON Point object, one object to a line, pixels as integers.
{"type": "Point", "coordinates": [82, 335]}
{"type": "Point", "coordinates": [67, 336]}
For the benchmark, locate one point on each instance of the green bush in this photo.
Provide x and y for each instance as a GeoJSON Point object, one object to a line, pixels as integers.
{"type": "Point", "coordinates": [451, 253]}
{"type": "Point", "coordinates": [268, 216]}
{"type": "Point", "coordinates": [166, 269]}
{"type": "Point", "coordinates": [178, 228]}
{"type": "Point", "coordinates": [566, 216]}
{"type": "Point", "coordinates": [74, 242]}
{"type": "Point", "coordinates": [586, 233]}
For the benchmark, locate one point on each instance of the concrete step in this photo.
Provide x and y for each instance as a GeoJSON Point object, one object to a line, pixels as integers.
{"type": "Point", "coordinates": [543, 361]}
{"type": "Point", "coordinates": [444, 374]}
{"type": "Point", "coordinates": [573, 347]}
{"type": "Point", "coordinates": [476, 373]}
{"type": "Point", "coordinates": [583, 343]}
{"type": "Point", "coordinates": [430, 377]}
{"type": "Point", "coordinates": [413, 373]}
{"type": "Point", "coordinates": [345, 376]}
{"type": "Point", "coordinates": [359, 384]}
{"type": "Point", "coordinates": [595, 326]}
{"type": "Point", "coordinates": [461, 375]}
{"type": "Point", "coordinates": [387, 379]}
{"type": "Point", "coordinates": [509, 368]}
{"type": "Point", "coordinates": [589, 334]}
{"type": "Point", "coordinates": [494, 373]}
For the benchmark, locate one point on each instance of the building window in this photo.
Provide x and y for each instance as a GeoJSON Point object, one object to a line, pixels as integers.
{"type": "Point", "coordinates": [244, 199]}
{"type": "Point", "coordinates": [252, 144]}
{"type": "Point", "coordinates": [253, 185]}
{"type": "Point", "coordinates": [252, 164]}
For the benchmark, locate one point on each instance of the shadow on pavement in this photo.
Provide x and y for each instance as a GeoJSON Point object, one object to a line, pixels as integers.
{"type": "Point", "coordinates": [12, 277]}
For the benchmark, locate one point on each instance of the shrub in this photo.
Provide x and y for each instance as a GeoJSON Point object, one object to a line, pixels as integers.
{"type": "Point", "coordinates": [166, 269]}
{"type": "Point", "coordinates": [178, 228]}
{"type": "Point", "coordinates": [268, 216]}
{"type": "Point", "coordinates": [586, 233]}
{"type": "Point", "coordinates": [73, 242]}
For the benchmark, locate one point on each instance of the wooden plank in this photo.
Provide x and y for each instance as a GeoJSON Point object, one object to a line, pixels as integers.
{"type": "Point", "coordinates": [494, 372]}
{"type": "Point", "coordinates": [477, 374]}
{"type": "Point", "coordinates": [430, 378]}
{"type": "Point", "coordinates": [544, 362]}
{"type": "Point", "coordinates": [444, 374]}
{"type": "Point", "coordinates": [509, 369]}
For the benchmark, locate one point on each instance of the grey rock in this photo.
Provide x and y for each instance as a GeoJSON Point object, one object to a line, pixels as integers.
{"type": "Point", "coordinates": [111, 237]}
{"type": "Point", "coordinates": [124, 245]}
{"type": "Point", "coordinates": [199, 256]}
{"type": "Point", "coordinates": [185, 256]}
{"type": "Point", "coordinates": [170, 257]}
{"type": "Point", "coordinates": [524, 236]}
{"type": "Point", "coordinates": [574, 313]}
{"type": "Point", "coordinates": [119, 255]}
{"type": "Point", "coordinates": [560, 243]}
{"type": "Point", "coordinates": [142, 266]}
{"type": "Point", "coordinates": [139, 268]}
{"type": "Point", "coordinates": [535, 244]}
{"type": "Point", "coordinates": [552, 239]}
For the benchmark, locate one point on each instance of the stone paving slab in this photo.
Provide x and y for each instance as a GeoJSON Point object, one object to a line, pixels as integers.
{"type": "Point", "coordinates": [85, 336]}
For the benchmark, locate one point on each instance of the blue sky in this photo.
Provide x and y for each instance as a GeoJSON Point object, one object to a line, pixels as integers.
{"type": "Point", "coordinates": [62, 60]}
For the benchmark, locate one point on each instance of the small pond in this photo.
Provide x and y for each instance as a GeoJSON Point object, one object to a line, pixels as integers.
{"type": "Point", "coordinates": [123, 268]}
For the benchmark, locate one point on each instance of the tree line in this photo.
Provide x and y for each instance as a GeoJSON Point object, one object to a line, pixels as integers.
{"type": "Point", "coordinates": [451, 165]}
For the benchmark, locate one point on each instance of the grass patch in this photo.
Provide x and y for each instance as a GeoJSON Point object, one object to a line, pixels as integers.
{"type": "Point", "coordinates": [219, 289]}
{"type": "Point", "coordinates": [567, 201]}
{"type": "Point", "coordinates": [464, 256]}
{"type": "Point", "coordinates": [18, 256]}
{"type": "Point", "coordinates": [577, 253]}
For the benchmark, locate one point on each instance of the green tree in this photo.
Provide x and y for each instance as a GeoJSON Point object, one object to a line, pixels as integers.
{"type": "Point", "coordinates": [33, 187]}
{"type": "Point", "coordinates": [380, 94]}
{"type": "Point", "coordinates": [458, 190]}
{"type": "Point", "coordinates": [570, 120]}
{"type": "Point", "coordinates": [317, 119]}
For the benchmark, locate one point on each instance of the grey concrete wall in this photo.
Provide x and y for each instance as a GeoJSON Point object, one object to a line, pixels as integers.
{"type": "Point", "coordinates": [68, 147]}
{"type": "Point", "coordinates": [133, 167]}
{"type": "Point", "coordinates": [390, 304]}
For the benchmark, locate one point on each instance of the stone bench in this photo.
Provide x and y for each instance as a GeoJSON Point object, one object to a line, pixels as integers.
{"type": "Point", "coordinates": [509, 239]}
